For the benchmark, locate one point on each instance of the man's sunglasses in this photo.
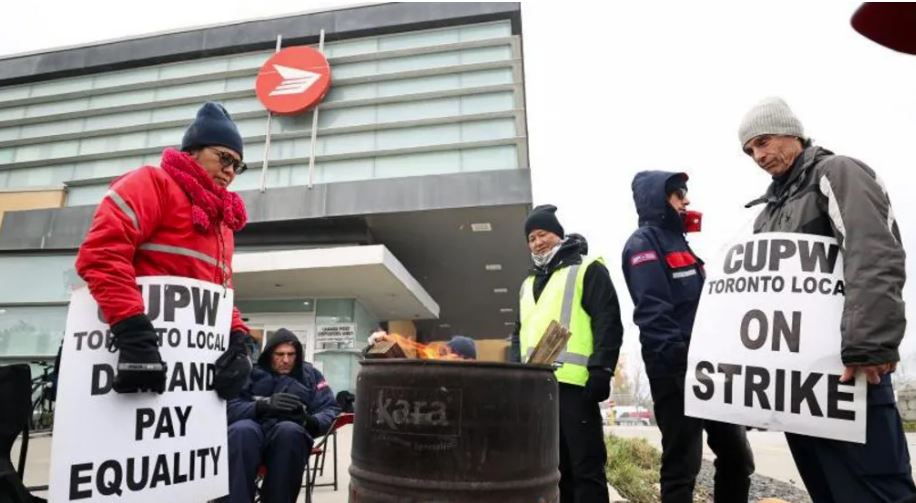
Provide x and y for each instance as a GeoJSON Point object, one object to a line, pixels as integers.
{"type": "Point", "coordinates": [226, 160]}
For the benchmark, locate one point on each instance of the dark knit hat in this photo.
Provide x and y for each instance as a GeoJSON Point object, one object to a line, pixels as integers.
{"type": "Point", "coordinates": [544, 217]}
{"type": "Point", "coordinates": [463, 346]}
{"type": "Point", "coordinates": [676, 182]}
{"type": "Point", "coordinates": [212, 126]}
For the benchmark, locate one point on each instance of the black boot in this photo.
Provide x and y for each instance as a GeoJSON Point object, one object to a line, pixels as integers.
{"type": "Point", "coordinates": [140, 367]}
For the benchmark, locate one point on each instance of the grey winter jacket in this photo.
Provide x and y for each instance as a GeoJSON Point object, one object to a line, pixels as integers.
{"type": "Point", "coordinates": [833, 195]}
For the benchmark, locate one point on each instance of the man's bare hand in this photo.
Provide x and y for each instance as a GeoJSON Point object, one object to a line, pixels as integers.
{"type": "Point", "coordinates": [872, 373]}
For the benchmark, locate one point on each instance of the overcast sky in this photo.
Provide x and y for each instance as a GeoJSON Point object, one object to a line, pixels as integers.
{"type": "Point", "coordinates": [615, 88]}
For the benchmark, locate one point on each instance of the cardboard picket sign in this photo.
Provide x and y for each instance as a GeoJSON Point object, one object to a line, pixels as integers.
{"type": "Point", "coordinates": [144, 447]}
{"type": "Point", "coordinates": [765, 349]}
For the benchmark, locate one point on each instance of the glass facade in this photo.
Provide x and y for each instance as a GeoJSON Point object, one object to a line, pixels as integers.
{"type": "Point", "coordinates": [444, 100]}
{"type": "Point", "coordinates": [31, 331]}
{"type": "Point", "coordinates": [426, 102]}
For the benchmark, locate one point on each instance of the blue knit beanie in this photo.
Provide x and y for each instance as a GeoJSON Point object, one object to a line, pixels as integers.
{"type": "Point", "coordinates": [212, 126]}
{"type": "Point", "coordinates": [463, 347]}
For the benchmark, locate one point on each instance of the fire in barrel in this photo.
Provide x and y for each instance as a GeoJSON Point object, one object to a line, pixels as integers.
{"type": "Point", "coordinates": [438, 428]}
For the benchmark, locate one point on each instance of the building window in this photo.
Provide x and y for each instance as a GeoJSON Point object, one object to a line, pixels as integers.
{"type": "Point", "coordinates": [31, 331]}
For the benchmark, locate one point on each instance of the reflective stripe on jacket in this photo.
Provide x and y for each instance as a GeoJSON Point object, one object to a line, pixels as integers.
{"type": "Point", "coordinates": [143, 227]}
{"type": "Point", "coordinates": [838, 196]}
{"type": "Point", "coordinates": [561, 300]}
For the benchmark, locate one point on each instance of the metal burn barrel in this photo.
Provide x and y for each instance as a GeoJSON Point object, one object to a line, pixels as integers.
{"type": "Point", "coordinates": [450, 431]}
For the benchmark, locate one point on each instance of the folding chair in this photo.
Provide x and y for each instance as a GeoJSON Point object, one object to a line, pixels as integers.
{"type": "Point", "coordinates": [16, 397]}
{"type": "Point", "coordinates": [315, 465]}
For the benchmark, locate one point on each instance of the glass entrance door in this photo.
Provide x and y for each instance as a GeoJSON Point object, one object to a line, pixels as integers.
{"type": "Point", "coordinates": [301, 324]}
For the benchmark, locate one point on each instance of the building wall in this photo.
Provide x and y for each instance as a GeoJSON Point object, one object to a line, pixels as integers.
{"type": "Point", "coordinates": [30, 200]}
{"type": "Point", "coordinates": [492, 350]}
{"type": "Point", "coordinates": [438, 101]}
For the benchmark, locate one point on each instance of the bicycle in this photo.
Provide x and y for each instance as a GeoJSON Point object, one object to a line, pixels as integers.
{"type": "Point", "coordinates": [42, 417]}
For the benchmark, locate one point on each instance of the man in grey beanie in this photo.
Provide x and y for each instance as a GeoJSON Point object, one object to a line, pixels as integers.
{"type": "Point", "coordinates": [816, 192]}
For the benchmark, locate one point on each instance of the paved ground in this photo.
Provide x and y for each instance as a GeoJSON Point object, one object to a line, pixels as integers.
{"type": "Point", "coordinates": [771, 453]}
{"type": "Point", "coordinates": [39, 463]}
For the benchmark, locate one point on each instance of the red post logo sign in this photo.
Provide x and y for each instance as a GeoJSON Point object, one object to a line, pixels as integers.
{"type": "Point", "coordinates": [293, 80]}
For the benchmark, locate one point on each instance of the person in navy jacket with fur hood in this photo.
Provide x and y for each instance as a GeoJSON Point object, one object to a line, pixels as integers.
{"type": "Point", "coordinates": [665, 279]}
{"type": "Point", "coordinates": [274, 421]}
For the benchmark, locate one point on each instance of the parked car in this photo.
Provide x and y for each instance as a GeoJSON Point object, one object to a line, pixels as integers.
{"type": "Point", "coordinates": [633, 416]}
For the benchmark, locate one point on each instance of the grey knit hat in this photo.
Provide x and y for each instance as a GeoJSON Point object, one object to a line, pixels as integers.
{"type": "Point", "coordinates": [770, 116]}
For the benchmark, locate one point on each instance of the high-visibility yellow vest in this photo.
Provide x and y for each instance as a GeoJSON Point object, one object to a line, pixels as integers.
{"type": "Point", "coordinates": [561, 300]}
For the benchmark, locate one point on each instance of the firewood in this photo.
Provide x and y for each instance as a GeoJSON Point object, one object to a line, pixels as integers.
{"type": "Point", "coordinates": [551, 344]}
{"type": "Point", "coordinates": [386, 349]}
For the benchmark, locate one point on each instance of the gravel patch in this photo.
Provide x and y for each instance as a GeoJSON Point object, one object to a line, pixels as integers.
{"type": "Point", "coordinates": [761, 487]}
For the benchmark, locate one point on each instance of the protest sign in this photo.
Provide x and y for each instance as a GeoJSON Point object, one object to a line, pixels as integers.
{"type": "Point", "coordinates": [765, 349]}
{"type": "Point", "coordinates": [144, 447]}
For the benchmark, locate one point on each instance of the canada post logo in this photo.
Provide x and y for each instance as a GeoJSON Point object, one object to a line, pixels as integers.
{"type": "Point", "coordinates": [293, 80]}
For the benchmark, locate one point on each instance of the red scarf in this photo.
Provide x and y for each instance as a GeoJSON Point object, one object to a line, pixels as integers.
{"type": "Point", "coordinates": [209, 202]}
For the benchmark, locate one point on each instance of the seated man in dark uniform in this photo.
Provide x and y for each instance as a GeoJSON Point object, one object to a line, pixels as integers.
{"type": "Point", "coordinates": [284, 406]}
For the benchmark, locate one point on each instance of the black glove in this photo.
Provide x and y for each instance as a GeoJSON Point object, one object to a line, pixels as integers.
{"type": "Point", "coordinates": [232, 367]}
{"type": "Point", "coordinates": [300, 415]}
{"type": "Point", "coordinates": [140, 368]}
{"type": "Point", "coordinates": [276, 405]}
{"type": "Point", "coordinates": [598, 386]}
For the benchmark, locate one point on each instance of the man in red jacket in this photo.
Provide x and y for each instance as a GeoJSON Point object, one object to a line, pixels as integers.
{"type": "Point", "coordinates": [174, 220]}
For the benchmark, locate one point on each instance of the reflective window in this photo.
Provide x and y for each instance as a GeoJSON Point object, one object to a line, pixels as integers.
{"type": "Point", "coordinates": [37, 278]}
{"type": "Point", "coordinates": [86, 195]}
{"type": "Point", "coordinates": [14, 93]}
{"type": "Point", "coordinates": [117, 120]}
{"type": "Point", "coordinates": [31, 331]}
{"type": "Point", "coordinates": [276, 306]}
{"type": "Point", "coordinates": [485, 31]}
{"type": "Point", "coordinates": [418, 136]}
{"type": "Point", "coordinates": [487, 130]}
{"type": "Point", "coordinates": [334, 311]}
{"type": "Point", "coordinates": [156, 136]}
{"type": "Point", "coordinates": [418, 39]}
{"type": "Point", "coordinates": [250, 60]}
{"type": "Point", "coordinates": [9, 133]}
{"type": "Point", "coordinates": [134, 76]}
{"type": "Point", "coordinates": [193, 89]}
{"type": "Point", "coordinates": [51, 128]}
{"type": "Point", "coordinates": [105, 167]}
{"type": "Point", "coordinates": [11, 113]}
{"type": "Point", "coordinates": [337, 171]}
{"type": "Point", "coordinates": [59, 86]}
{"type": "Point", "coordinates": [482, 103]}
{"type": "Point", "coordinates": [192, 68]}
{"type": "Point", "coordinates": [489, 158]}
{"type": "Point", "coordinates": [104, 144]}
{"type": "Point", "coordinates": [123, 98]}
{"type": "Point", "coordinates": [47, 150]}
{"type": "Point", "coordinates": [46, 176]}
{"type": "Point", "coordinates": [341, 143]}
{"type": "Point", "coordinates": [431, 163]}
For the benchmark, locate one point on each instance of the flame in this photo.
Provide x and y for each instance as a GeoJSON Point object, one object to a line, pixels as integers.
{"type": "Point", "coordinates": [431, 351]}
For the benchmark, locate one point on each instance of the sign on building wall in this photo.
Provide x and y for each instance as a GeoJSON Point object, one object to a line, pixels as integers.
{"type": "Point", "coordinates": [293, 80]}
{"type": "Point", "coordinates": [339, 333]}
{"type": "Point", "coordinates": [765, 349]}
{"type": "Point", "coordinates": [144, 447]}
